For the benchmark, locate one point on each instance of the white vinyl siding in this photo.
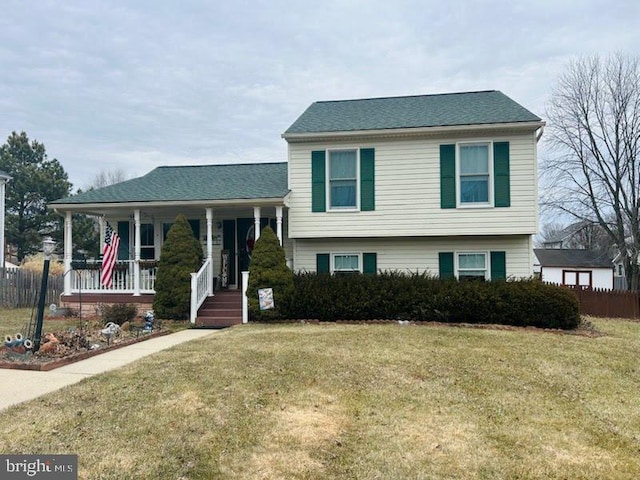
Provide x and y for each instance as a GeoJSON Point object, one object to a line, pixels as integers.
{"type": "Point", "coordinates": [407, 192]}
{"type": "Point", "coordinates": [419, 254]}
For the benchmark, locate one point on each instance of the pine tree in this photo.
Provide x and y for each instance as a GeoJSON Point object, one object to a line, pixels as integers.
{"type": "Point", "coordinates": [268, 269]}
{"type": "Point", "coordinates": [181, 255]}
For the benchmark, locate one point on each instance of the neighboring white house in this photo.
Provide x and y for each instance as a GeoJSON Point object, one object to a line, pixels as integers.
{"type": "Point", "coordinates": [575, 267]}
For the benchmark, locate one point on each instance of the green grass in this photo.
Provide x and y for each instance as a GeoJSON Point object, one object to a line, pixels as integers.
{"type": "Point", "coordinates": [354, 401]}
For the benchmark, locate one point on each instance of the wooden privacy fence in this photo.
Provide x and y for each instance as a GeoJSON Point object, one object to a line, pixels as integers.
{"type": "Point", "coordinates": [20, 288]}
{"type": "Point", "coordinates": [608, 303]}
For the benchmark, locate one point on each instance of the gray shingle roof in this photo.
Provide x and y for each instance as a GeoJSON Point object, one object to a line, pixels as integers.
{"type": "Point", "coordinates": [201, 182]}
{"type": "Point", "coordinates": [557, 257]}
{"type": "Point", "coordinates": [470, 108]}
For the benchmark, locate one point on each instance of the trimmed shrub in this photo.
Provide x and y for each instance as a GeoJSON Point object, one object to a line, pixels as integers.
{"type": "Point", "coordinates": [119, 313]}
{"type": "Point", "coordinates": [420, 297]}
{"type": "Point", "coordinates": [269, 269]}
{"type": "Point", "coordinates": [181, 256]}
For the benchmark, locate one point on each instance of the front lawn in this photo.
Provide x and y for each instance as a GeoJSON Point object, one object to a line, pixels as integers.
{"type": "Point", "coordinates": [354, 401]}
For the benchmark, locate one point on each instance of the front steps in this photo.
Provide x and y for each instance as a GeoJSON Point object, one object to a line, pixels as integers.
{"type": "Point", "coordinates": [224, 309]}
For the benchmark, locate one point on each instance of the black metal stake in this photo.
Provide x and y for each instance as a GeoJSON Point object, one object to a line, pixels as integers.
{"type": "Point", "coordinates": [43, 297]}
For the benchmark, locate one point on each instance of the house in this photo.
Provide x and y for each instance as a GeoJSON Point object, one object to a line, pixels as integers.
{"type": "Point", "coordinates": [440, 183]}
{"type": "Point", "coordinates": [575, 267]}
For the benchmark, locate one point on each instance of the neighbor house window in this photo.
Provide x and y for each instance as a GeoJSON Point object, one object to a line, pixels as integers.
{"type": "Point", "coordinates": [472, 266]}
{"type": "Point", "coordinates": [346, 263]}
{"type": "Point", "coordinates": [474, 178]}
{"type": "Point", "coordinates": [343, 179]}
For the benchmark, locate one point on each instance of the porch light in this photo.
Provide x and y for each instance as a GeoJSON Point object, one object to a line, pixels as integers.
{"type": "Point", "coordinates": [48, 245]}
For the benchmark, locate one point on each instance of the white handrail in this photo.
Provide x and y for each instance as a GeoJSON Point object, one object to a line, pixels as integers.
{"type": "Point", "coordinates": [200, 288]}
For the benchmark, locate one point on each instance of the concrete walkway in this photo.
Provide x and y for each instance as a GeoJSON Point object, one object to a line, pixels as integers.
{"type": "Point", "coordinates": [17, 386]}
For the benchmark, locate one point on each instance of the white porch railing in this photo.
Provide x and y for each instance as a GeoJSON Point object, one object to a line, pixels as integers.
{"type": "Point", "coordinates": [201, 288]}
{"type": "Point", "coordinates": [85, 277]}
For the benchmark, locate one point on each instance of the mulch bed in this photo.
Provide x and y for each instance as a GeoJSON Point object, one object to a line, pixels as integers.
{"type": "Point", "coordinates": [65, 354]}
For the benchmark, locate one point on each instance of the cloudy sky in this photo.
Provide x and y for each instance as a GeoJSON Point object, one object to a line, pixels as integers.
{"type": "Point", "coordinates": [130, 85]}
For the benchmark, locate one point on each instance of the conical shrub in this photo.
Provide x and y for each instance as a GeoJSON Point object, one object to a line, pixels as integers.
{"type": "Point", "coordinates": [181, 255]}
{"type": "Point", "coordinates": [268, 269]}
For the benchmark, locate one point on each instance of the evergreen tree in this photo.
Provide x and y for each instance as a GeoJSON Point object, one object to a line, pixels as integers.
{"type": "Point", "coordinates": [268, 269]}
{"type": "Point", "coordinates": [181, 255]}
{"type": "Point", "coordinates": [36, 181]}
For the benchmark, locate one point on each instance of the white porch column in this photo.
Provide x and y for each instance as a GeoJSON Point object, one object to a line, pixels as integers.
{"type": "Point", "coordinates": [245, 300]}
{"type": "Point", "coordinates": [136, 260]}
{"type": "Point", "coordinates": [210, 248]}
{"type": "Point", "coordinates": [256, 221]}
{"type": "Point", "coordinates": [279, 223]}
{"type": "Point", "coordinates": [68, 252]}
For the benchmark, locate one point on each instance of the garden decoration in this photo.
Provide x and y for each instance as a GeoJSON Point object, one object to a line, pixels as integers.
{"type": "Point", "coordinates": [111, 330]}
{"type": "Point", "coordinates": [18, 347]}
{"type": "Point", "coordinates": [149, 318]}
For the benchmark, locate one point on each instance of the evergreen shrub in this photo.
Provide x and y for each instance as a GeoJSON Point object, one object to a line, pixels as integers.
{"type": "Point", "coordinates": [268, 269]}
{"type": "Point", "coordinates": [421, 297]}
{"type": "Point", "coordinates": [181, 256]}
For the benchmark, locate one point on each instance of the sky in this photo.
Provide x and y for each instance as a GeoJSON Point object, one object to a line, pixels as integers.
{"type": "Point", "coordinates": [130, 85]}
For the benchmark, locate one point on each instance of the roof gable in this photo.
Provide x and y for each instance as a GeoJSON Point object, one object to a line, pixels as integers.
{"type": "Point", "coordinates": [196, 182]}
{"type": "Point", "coordinates": [452, 109]}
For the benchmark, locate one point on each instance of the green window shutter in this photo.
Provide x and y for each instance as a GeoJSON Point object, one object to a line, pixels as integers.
{"type": "Point", "coordinates": [195, 226]}
{"type": "Point", "coordinates": [445, 262]}
{"type": "Point", "coordinates": [498, 266]}
{"type": "Point", "coordinates": [369, 263]}
{"type": "Point", "coordinates": [322, 263]}
{"type": "Point", "coordinates": [123, 233]}
{"type": "Point", "coordinates": [447, 176]}
{"type": "Point", "coordinates": [502, 189]}
{"type": "Point", "coordinates": [367, 179]}
{"type": "Point", "coordinates": [318, 176]}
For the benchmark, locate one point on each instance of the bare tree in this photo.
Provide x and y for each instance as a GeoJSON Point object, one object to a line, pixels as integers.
{"type": "Point", "coordinates": [104, 179]}
{"type": "Point", "coordinates": [594, 117]}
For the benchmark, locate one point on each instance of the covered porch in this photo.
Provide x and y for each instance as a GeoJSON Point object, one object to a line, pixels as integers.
{"type": "Point", "coordinates": [226, 228]}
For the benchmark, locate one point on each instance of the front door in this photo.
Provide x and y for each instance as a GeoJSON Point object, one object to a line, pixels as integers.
{"type": "Point", "coordinates": [245, 240]}
{"type": "Point", "coordinates": [238, 238]}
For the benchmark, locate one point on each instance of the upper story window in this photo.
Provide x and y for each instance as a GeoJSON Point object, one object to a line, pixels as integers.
{"type": "Point", "coordinates": [474, 174]}
{"type": "Point", "coordinates": [343, 179]}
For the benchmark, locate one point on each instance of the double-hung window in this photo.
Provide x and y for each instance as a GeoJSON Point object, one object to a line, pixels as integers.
{"type": "Point", "coordinates": [474, 178]}
{"type": "Point", "coordinates": [346, 263]}
{"type": "Point", "coordinates": [343, 179]}
{"type": "Point", "coordinates": [472, 266]}
{"type": "Point", "coordinates": [147, 245]}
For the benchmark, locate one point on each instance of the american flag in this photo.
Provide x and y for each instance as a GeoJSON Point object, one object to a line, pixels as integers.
{"type": "Point", "coordinates": [109, 256]}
